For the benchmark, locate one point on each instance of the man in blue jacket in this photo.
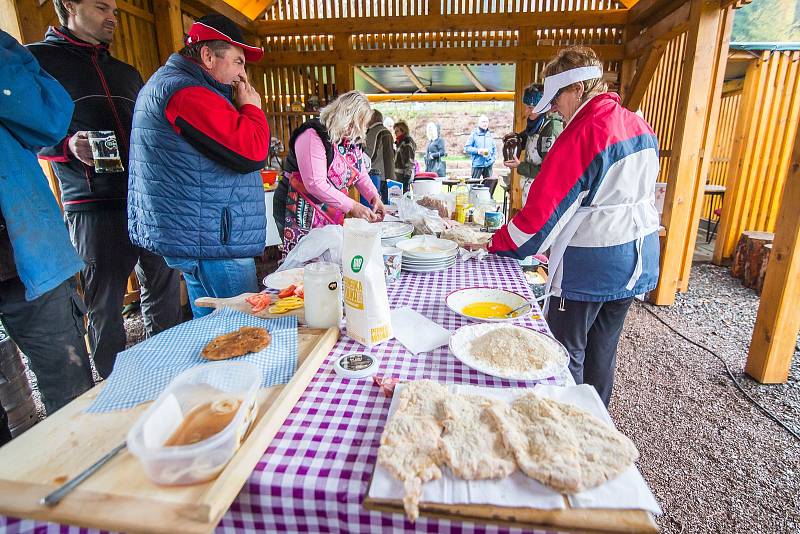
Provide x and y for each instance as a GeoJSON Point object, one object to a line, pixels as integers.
{"type": "Point", "coordinates": [39, 306]}
{"type": "Point", "coordinates": [481, 147]}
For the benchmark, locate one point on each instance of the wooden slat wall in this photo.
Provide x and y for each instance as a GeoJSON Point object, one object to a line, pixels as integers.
{"type": "Point", "coordinates": [135, 40]}
{"type": "Point", "coordinates": [764, 135]}
{"type": "Point", "coordinates": [316, 9]}
{"type": "Point", "coordinates": [286, 85]}
{"type": "Point", "coordinates": [720, 159]}
{"type": "Point", "coordinates": [660, 102]}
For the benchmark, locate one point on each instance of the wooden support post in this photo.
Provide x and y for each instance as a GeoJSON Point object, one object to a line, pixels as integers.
{"type": "Point", "coordinates": [345, 77]}
{"type": "Point", "coordinates": [778, 319]}
{"type": "Point", "coordinates": [697, 85]}
{"type": "Point", "coordinates": [523, 77]}
{"type": "Point", "coordinates": [9, 19]}
{"type": "Point", "coordinates": [169, 27]}
{"type": "Point", "coordinates": [708, 141]}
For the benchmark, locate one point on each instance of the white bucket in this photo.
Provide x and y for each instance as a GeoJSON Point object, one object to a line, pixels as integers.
{"type": "Point", "coordinates": [423, 188]}
{"type": "Point", "coordinates": [479, 194]}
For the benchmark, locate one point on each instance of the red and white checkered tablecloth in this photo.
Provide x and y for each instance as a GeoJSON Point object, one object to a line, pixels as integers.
{"type": "Point", "coordinates": [315, 474]}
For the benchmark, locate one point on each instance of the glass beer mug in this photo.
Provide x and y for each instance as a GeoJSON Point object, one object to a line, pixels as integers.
{"type": "Point", "coordinates": [105, 151]}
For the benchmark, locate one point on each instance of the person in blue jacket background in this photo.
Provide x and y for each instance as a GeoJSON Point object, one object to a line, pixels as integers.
{"type": "Point", "coordinates": [481, 146]}
{"type": "Point", "coordinates": [39, 306]}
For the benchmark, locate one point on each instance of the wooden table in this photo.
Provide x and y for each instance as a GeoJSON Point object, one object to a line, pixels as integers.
{"type": "Point", "coordinates": [315, 473]}
{"type": "Point", "coordinates": [119, 496]}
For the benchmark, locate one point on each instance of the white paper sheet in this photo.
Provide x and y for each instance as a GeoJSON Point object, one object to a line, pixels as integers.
{"type": "Point", "coordinates": [628, 491]}
{"type": "Point", "coordinates": [416, 332]}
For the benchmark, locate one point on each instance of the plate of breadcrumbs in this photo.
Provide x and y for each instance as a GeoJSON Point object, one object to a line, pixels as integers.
{"type": "Point", "coordinates": [509, 351]}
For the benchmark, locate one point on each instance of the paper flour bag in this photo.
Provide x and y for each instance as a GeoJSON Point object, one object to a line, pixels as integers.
{"type": "Point", "coordinates": [365, 299]}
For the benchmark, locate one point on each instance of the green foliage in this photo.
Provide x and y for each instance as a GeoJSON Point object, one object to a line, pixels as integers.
{"type": "Point", "coordinates": [767, 21]}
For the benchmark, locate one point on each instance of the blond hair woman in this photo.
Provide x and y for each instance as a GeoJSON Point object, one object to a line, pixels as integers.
{"type": "Point", "coordinates": [593, 205]}
{"type": "Point", "coordinates": [324, 161]}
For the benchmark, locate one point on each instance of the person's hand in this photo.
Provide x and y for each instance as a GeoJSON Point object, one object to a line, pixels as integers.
{"type": "Point", "coordinates": [362, 212]}
{"type": "Point", "coordinates": [512, 163]}
{"type": "Point", "coordinates": [244, 93]}
{"type": "Point", "coordinates": [379, 208]}
{"type": "Point", "coordinates": [79, 146]}
{"type": "Point", "coordinates": [482, 151]}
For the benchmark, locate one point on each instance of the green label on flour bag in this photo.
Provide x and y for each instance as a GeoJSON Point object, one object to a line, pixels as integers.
{"type": "Point", "coordinates": [357, 263]}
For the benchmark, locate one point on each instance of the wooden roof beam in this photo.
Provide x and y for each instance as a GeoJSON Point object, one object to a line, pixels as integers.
{"type": "Point", "coordinates": [369, 79]}
{"type": "Point", "coordinates": [649, 12]}
{"type": "Point", "coordinates": [413, 77]}
{"type": "Point", "coordinates": [427, 56]}
{"type": "Point", "coordinates": [252, 9]}
{"type": "Point", "coordinates": [671, 26]}
{"type": "Point", "coordinates": [223, 8]}
{"type": "Point", "coordinates": [443, 23]}
{"type": "Point", "coordinates": [472, 78]}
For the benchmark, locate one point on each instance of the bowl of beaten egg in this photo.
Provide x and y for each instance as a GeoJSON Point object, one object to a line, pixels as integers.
{"type": "Point", "coordinates": [487, 304]}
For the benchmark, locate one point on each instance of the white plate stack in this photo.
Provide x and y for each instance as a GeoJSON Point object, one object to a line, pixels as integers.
{"type": "Point", "coordinates": [393, 232]}
{"type": "Point", "coordinates": [426, 254]}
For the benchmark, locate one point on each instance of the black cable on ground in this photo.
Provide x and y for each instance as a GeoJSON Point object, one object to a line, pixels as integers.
{"type": "Point", "coordinates": [730, 373]}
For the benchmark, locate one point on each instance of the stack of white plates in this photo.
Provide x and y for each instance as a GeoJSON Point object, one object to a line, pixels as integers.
{"type": "Point", "coordinates": [426, 254]}
{"type": "Point", "coordinates": [393, 232]}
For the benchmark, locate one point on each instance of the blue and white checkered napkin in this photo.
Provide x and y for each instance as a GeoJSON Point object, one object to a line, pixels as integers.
{"type": "Point", "coordinates": [142, 372]}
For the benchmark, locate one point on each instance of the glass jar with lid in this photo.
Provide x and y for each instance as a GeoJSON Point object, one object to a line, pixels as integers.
{"type": "Point", "coordinates": [322, 283]}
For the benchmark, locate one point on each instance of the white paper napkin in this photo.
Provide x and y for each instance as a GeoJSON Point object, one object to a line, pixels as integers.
{"type": "Point", "coordinates": [416, 332]}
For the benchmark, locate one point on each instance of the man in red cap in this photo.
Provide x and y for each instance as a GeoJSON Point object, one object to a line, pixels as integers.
{"type": "Point", "coordinates": [199, 140]}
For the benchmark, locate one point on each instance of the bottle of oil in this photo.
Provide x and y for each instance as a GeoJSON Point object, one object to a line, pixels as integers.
{"type": "Point", "coordinates": [462, 201]}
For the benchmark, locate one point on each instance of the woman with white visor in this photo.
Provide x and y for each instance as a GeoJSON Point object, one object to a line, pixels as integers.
{"type": "Point", "coordinates": [593, 206]}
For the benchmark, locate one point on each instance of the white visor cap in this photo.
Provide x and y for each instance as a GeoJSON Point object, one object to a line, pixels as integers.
{"type": "Point", "coordinates": [553, 84]}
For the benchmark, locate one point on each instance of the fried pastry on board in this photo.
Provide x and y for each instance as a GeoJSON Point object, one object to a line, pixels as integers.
{"type": "Point", "coordinates": [243, 341]}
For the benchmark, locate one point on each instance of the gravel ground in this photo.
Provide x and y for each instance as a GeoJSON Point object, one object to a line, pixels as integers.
{"type": "Point", "coordinates": [714, 461]}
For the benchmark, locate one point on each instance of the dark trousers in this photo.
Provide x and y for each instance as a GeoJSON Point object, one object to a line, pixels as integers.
{"type": "Point", "coordinates": [50, 331]}
{"type": "Point", "coordinates": [486, 174]}
{"type": "Point", "coordinates": [590, 331]}
{"type": "Point", "coordinates": [101, 239]}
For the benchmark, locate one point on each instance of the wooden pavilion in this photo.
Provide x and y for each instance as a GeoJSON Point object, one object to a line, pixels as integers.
{"type": "Point", "coordinates": [665, 57]}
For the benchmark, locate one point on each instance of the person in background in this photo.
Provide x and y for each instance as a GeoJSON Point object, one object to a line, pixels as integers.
{"type": "Point", "coordinates": [104, 91]}
{"type": "Point", "coordinates": [539, 135]}
{"type": "Point", "coordinates": [380, 149]}
{"type": "Point", "coordinates": [435, 151]}
{"type": "Point", "coordinates": [404, 157]}
{"type": "Point", "coordinates": [199, 141]}
{"type": "Point", "coordinates": [481, 147]}
{"type": "Point", "coordinates": [325, 160]}
{"type": "Point", "coordinates": [598, 220]}
{"type": "Point", "coordinates": [388, 123]}
{"type": "Point", "coordinates": [39, 306]}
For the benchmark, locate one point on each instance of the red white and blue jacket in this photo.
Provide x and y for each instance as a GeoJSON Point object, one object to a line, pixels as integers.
{"type": "Point", "coordinates": [593, 204]}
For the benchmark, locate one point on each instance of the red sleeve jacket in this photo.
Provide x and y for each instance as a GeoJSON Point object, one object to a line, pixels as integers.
{"type": "Point", "coordinates": [237, 139]}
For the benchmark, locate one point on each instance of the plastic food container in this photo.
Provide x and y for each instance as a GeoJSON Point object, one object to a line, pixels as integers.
{"type": "Point", "coordinates": [219, 385]}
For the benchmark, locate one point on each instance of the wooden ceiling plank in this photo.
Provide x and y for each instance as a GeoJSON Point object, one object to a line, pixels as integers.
{"type": "Point", "coordinates": [423, 56]}
{"type": "Point", "coordinates": [431, 23]}
{"type": "Point", "coordinates": [223, 8]}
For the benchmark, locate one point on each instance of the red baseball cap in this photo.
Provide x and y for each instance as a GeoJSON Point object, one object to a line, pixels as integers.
{"type": "Point", "coordinates": [221, 28]}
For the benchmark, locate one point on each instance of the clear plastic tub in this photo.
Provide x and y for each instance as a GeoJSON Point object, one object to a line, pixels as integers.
{"type": "Point", "coordinates": [219, 386]}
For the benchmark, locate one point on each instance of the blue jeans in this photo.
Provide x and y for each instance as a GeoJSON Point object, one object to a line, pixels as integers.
{"type": "Point", "coordinates": [221, 278]}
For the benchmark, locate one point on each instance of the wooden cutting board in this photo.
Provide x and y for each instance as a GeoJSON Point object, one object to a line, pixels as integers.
{"type": "Point", "coordinates": [119, 496]}
{"type": "Point", "coordinates": [577, 520]}
{"type": "Point", "coordinates": [239, 303]}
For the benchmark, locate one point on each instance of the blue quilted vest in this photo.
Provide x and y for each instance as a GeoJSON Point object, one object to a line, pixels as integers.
{"type": "Point", "coordinates": [181, 203]}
